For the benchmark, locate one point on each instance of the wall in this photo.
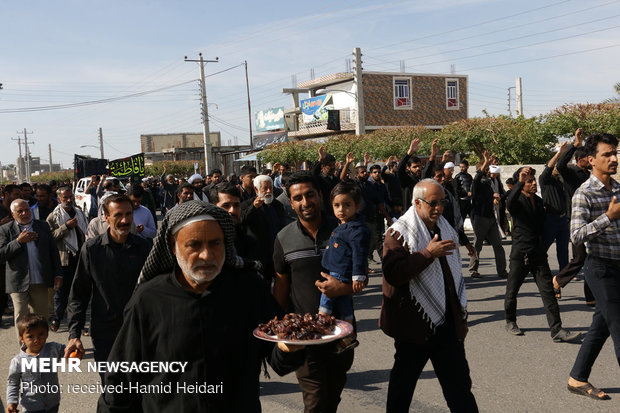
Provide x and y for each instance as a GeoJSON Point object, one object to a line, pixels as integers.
{"type": "Point", "coordinates": [428, 97]}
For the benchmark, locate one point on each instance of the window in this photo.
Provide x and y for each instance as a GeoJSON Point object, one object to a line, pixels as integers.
{"type": "Point", "coordinates": [452, 94]}
{"type": "Point", "coordinates": [402, 93]}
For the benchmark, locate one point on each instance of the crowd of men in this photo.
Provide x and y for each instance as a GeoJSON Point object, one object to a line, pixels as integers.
{"type": "Point", "coordinates": [232, 253]}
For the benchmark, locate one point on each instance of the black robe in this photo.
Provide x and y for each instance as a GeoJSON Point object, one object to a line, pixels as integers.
{"type": "Point", "coordinates": [212, 332]}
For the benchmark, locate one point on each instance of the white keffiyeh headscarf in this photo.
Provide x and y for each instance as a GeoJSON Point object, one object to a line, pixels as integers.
{"type": "Point", "coordinates": [428, 289]}
{"type": "Point", "coordinates": [61, 217]}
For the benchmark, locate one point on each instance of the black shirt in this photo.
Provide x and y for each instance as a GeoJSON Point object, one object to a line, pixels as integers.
{"type": "Point", "coordinates": [554, 194]}
{"type": "Point", "coordinates": [573, 175]}
{"type": "Point", "coordinates": [529, 222]}
{"type": "Point", "coordinates": [407, 180]}
{"type": "Point", "coordinates": [108, 273]}
{"type": "Point", "coordinates": [326, 184]}
{"type": "Point", "coordinates": [463, 184]}
{"type": "Point", "coordinates": [296, 253]}
{"type": "Point", "coordinates": [211, 332]}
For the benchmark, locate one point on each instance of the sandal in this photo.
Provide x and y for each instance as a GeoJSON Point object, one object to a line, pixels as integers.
{"type": "Point", "coordinates": [557, 291]}
{"type": "Point", "coordinates": [583, 391]}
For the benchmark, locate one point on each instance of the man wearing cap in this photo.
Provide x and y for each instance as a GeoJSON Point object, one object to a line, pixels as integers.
{"type": "Point", "coordinates": [198, 183]}
{"type": "Point", "coordinates": [196, 308]}
{"type": "Point", "coordinates": [485, 193]}
{"type": "Point", "coordinates": [449, 183]}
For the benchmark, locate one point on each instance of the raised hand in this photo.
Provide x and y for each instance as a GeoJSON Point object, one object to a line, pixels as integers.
{"type": "Point", "coordinates": [322, 153]}
{"type": "Point", "coordinates": [579, 137]}
{"type": "Point", "coordinates": [367, 158]}
{"type": "Point", "coordinates": [350, 158]}
{"type": "Point", "coordinates": [413, 146]}
{"type": "Point", "coordinates": [525, 172]}
{"type": "Point", "coordinates": [434, 149]}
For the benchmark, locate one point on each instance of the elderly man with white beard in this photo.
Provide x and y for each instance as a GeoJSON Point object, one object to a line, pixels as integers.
{"type": "Point", "coordinates": [262, 217]}
{"type": "Point", "coordinates": [195, 308]}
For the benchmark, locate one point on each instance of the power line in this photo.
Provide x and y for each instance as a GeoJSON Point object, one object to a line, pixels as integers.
{"type": "Point", "coordinates": [470, 26]}
{"type": "Point", "coordinates": [544, 58]}
{"type": "Point", "coordinates": [92, 102]}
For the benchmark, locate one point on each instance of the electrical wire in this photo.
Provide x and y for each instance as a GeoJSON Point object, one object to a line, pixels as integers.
{"type": "Point", "coordinates": [92, 102]}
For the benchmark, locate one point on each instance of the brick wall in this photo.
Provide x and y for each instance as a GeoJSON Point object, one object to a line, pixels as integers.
{"type": "Point", "coordinates": [428, 98]}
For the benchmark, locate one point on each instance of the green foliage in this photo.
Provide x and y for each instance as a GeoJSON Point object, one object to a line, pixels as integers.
{"type": "Point", "coordinates": [180, 169]}
{"type": "Point", "coordinates": [65, 175]}
{"type": "Point", "coordinates": [518, 140]}
{"type": "Point", "coordinates": [599, 117]}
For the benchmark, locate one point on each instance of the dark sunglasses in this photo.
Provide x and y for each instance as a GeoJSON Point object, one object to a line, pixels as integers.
{"type": "Point", "coordinates": [435, 203]}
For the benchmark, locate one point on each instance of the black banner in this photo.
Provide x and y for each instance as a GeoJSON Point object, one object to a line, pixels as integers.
{"type": "Point", "coordinates": [84, 166]}
{"type": "Point", "coordinates": [132, 166]}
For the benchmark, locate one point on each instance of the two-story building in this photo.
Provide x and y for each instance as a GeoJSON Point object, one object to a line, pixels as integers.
{"type": "Point", "coordinates": [390, 100]}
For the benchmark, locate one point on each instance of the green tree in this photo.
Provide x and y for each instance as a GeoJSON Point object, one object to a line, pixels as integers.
{"type": "Point", "coordinates": [598, 117]}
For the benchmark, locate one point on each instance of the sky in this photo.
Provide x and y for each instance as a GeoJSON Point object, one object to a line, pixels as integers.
{"type": "Point", "coordinates": [70, 67]}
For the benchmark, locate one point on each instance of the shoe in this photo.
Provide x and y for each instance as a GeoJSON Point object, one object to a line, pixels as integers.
{"type": "Point", "coordinates": [54, 324]}
{"type": "Point", "coordinates": [513, 328]}
{"type": "Point", "coordinates": [565, 336]}
{"type": "Point", "coordinates": [475, 274]}
{"type": "Point", "coordinates": [591, 303]}
{"type": "Point", "coordinates": [503, 275]}
{"type": "Point", "coordinates": [593, 392]}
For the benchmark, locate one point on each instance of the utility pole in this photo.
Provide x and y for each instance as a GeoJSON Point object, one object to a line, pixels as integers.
{"type": "Point", "coordinates": [509, 100]}
{"type": "Point", "coordinates": [27, 152]}
{"type": "Point", "coordinates": [519, 92]}
{"type": "Point", "coordinates": [101, 143]}
{"type": "Point", "coordinates": [20, 172]}
{"type": "Point", "coordinates": [49, 146]}
{"type": "Point", "coordinates": [360, 125]}
{"type": "Point", "coordinates": [247, 86]}
{"type": "Point", "coordinates": [205, 111]}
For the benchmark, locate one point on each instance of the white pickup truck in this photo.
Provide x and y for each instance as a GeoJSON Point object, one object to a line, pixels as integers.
{"type": "Point", "coordinates": [84, 200]}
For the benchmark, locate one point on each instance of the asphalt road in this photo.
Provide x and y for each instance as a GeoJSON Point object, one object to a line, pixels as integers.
{"type": "Point", "coordinates": [510, 374]}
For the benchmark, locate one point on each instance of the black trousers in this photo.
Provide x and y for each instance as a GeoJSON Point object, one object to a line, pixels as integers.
{"type": "Point", "coordinates": [447, 353]}
{"type": "Point", "coordinates": [539, 267]}
{"type": "Point", "coordinates": [322, 378]}
{"type": "Point", "coordinates": [604, 277]}
{"type": "Point", "coordinates": [572, 269]}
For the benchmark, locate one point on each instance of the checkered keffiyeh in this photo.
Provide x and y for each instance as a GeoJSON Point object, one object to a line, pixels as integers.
{"type": "Point", "coordinates": [427, 289]}
{"type": "Point", "coordinates": [161, 260]}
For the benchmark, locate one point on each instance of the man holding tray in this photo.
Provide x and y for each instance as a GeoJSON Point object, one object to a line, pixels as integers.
{"type": "Point", "coordinates": [298, 287]}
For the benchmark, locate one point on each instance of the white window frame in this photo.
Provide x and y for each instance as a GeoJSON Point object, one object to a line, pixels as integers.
{"type": "Point", "coordinates": [458, 102]}
{"type": "Point", "coordinates": [394, 97]}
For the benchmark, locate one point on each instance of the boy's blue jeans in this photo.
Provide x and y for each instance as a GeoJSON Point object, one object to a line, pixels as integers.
{"type": "Point", "coordinates": [343, 304]}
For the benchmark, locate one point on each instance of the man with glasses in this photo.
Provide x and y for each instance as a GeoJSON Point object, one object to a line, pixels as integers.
{"type": "Point", "coordinates": [424, 302]}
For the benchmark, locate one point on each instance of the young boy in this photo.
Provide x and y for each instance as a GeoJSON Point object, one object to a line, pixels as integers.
{"type": "Point", "coordinates": [33, 331]}
{"type": "Point", "coordinates": [346, 255]}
